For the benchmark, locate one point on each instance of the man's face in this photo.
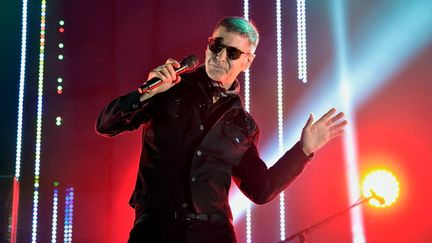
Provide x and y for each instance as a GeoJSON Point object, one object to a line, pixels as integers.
{"type": "Point", "coordinates": [219, 66]}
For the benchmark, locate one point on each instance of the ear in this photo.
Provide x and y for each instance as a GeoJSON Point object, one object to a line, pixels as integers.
{"type": "Point", "coordinates": [247, 62]}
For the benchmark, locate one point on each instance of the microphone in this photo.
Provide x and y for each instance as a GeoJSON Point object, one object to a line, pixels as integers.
{"type": "Point", "coordinates": [189, 63]}
{"type": "Point", "coordinates": [380, 199]}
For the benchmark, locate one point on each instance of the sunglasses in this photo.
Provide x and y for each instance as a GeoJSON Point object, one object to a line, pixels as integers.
{"type": "Point", "coordinates": [215, 45]}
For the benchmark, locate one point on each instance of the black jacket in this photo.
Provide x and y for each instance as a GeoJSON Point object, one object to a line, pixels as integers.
{"type": "Point", "coordinates": [192, 148]}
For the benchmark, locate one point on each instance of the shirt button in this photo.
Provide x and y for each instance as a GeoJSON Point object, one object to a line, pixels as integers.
{"type": "Point", "coordinates": [237, 140]}
{"type": "Point", "coordinates": [201, 127]}
{"type": "Point", "coordinates": [193, 179]}
{"type": "Point", "coordinates": [184, 205]}
{"type": "Point", "coordinates": [199, 152]}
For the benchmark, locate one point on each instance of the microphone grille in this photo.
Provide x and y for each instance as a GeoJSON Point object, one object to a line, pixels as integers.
{"type": "Point", "coordinates": [191, 62]}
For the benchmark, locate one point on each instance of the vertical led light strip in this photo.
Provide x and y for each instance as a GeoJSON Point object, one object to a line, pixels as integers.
{"type": "Point", "coordinates": [54, 216]}
{"type": "Point", "coordinates": [21, 90]}
{"type": "Point", "coordinates": [247, 75]}
{"type": "Point", "coordinates": [39, 122]}
{"type": "Point", "coordinates": [301, 40]}
{"type": "Point", "coordinates": [280, 108]}
{"type": "Point", "coordinates": [247, 108]}
{"type": "Point", "coordinates": [68, 219]}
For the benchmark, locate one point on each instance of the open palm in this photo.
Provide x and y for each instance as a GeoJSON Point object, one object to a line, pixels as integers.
{"type": "Point", "coordinates": [317, 134]}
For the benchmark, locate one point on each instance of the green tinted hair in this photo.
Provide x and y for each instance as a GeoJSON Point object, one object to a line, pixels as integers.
{"type": "Point", "coordinates": [241, 26]}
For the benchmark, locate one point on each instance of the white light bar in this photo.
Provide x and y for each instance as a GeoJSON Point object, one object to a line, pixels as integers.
{"type": "Point", "coordinates": [280, 109]}
{"type": "Point", "coordinates": [39, 122]}
{"type": "Point", "coordinates": [301, 40]}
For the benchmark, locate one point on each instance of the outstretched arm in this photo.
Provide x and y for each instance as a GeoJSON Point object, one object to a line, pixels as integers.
{"type": "Point", "coordinates": [262, 184]}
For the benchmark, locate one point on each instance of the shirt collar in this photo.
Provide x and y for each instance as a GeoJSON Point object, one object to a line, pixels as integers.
{"type": "Point", "coordinates": [222, 92]}
{"type": "Point", "coordinates": [213, 88]}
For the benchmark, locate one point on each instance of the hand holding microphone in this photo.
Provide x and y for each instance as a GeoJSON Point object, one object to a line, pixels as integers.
{"type": "Point", "coordinates": [164, 77]}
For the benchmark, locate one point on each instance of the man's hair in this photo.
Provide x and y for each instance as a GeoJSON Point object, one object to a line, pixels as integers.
{"type": "Point", "coordinates": [241, 26]}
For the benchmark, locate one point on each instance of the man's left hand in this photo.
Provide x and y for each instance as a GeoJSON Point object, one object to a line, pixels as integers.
{"type": "Point", "coordinates": [317, 134]}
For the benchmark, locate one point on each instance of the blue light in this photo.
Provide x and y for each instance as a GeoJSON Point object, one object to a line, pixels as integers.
{"type": "Point", "coordinates": [403, 32]}
{"type": "Point", "coordinates": [345, 94]}
{"type": "Point", "coordinates": [54, 216]}
{"type": "Point", "coordinates": [68, 217]}
{"type": "Point", "coordinates": [382, 43]}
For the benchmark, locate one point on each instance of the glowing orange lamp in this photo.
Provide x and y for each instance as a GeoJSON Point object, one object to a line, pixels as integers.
{"type": "Point", "coordinates": [380, 189]}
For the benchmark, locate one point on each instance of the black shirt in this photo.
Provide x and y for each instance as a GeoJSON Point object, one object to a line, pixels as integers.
{"type": "Point", "coordinates": [192, 147]}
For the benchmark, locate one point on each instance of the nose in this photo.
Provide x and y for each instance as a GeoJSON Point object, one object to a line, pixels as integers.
{"type": "Point", "coordinates": [222, 55]}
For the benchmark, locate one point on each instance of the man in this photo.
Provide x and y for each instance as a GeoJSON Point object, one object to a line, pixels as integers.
{"type": "Point", "coordinates": [197, 136]}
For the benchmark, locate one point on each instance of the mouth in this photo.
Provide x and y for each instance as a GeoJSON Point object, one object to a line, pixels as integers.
{"type": "Point", "coordinates": [216, 65]}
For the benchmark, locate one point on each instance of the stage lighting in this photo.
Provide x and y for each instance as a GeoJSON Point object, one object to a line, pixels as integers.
{"type": "Point", "coordinates": [381, 187]}
{"type": "Point", "coordinates": [58, 121]}
{"type": "Point", "coordinates": [39, 123]}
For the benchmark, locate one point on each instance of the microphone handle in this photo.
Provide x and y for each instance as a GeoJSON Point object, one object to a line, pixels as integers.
{"type": "Point", "coordinates": [155, 82]}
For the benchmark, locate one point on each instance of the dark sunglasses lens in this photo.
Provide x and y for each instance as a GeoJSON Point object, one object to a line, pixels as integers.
{"type": "Point", "coordinates": [215, 46]}
{"type": "Point", "coordinates": [233, 53]}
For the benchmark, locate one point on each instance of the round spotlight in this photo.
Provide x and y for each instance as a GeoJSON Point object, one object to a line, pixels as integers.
{"type": "Point", "coordinates": [381, 187]}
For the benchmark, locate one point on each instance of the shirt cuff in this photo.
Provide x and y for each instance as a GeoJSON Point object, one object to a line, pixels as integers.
{"type": "Point", "coordinates": [299, 150]}
{"type": "Point", "coordinates": [134, 101]}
